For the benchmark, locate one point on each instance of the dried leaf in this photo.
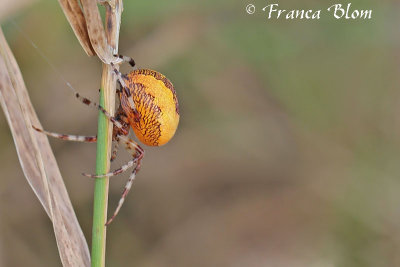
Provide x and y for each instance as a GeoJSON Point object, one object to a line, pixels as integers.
{"type": "Point", "coordinates": [96, 30]}
{"type": "Point", "coordinates": [38, 162]}
{"type": "Point", "coordinates": [75, 17]}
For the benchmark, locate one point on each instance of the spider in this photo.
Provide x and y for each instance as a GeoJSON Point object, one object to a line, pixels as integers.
{"type": "Point", "coordinates": [149, 105]}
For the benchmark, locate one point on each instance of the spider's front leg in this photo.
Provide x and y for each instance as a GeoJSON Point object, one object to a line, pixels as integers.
{"type": "Point", "coordinates": [127, 59]}
{"type": "Point", "coordinates": [125, 90]}
{"type": "Point", "coordinates": [121, 80]}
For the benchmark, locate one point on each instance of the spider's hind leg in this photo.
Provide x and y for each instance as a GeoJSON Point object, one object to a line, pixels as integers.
{"type": "Point", "coordinates": [137, 156]}
{"type": "Point", "coordinates": [114, 152]}
{"type": "Point", "coordinates": [68, 137]}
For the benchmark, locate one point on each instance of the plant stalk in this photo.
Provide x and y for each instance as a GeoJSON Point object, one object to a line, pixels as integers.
{"type": "Point", "coordinates": [104, 137]}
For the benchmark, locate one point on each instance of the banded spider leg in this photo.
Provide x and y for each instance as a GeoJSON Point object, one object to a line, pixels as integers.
{"type": "Point", "coordinates": [127, 59]}
{"type": "Point", "coordinates": [137, 156]}
{"type": "Point", "coordinates": [120, 132]}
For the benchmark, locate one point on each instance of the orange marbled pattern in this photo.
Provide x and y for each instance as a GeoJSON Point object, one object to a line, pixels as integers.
{"type": "Point", "coordinates": [154, 97]}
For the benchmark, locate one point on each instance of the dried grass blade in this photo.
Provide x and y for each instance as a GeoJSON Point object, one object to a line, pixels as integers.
{"type": "Point", "coordinates": [38, 162]}
{"type": "Point", "coordinates": [96, 31]}
{"type": "Point", "coordinates": [75, 17]}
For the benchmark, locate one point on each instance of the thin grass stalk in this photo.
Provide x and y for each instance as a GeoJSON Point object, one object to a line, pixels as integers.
{"type": "Point", "coordinates": [104, 139]}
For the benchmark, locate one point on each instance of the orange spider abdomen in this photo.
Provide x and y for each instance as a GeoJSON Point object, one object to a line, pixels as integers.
{"type": "Point", "coordinates": [157, 111]}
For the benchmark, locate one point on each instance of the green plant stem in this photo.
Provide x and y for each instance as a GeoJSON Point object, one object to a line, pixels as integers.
{"type": "Point", "coordinates": [104, 136]}
{"type": "Point", "coordinates": [100, 190]}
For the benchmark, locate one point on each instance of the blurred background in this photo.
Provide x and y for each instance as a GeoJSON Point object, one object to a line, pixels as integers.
{"type": "Point", "coordinates": [287, 153]}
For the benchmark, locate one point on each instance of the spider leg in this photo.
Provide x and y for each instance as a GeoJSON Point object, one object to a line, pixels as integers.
{"type": "Point", "coordinates": [121, 79]}
{"type": "Point", "coordinates": [88, 102]}
{"type": "Point", "coordinates": [127, 59]}
{"type": "Point", "coordinates": [92, 139]}
{"type": "Point", "coordinates": [78, 138]}
{"type": "Point", "coordinates": [126, 191]}
{"type": "Point", "coordinates": [137, 153]}
{"type": "Point", "coordinates": [128, 185]}
{"type": "Point", "coordinates": [114, 152]}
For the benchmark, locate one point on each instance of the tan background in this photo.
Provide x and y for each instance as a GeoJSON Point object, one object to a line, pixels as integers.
{"type": "Point", "coordinates": [287, 153]}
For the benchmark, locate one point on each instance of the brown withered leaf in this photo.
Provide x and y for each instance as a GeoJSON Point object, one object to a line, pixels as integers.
{"type": "Point", "coordinates": [96, 31]}
{"type": "Point", "coordinates": [38, 162]}
{"type": "Point", "coordinates": [75, 17]}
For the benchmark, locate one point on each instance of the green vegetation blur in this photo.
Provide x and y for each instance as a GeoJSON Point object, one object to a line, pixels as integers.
{"type": "Point", "coordinates": [287, 153]}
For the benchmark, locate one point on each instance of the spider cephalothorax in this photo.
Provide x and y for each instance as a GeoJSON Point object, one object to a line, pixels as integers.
{"type": "Point", "coordinates": [148, 105]}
